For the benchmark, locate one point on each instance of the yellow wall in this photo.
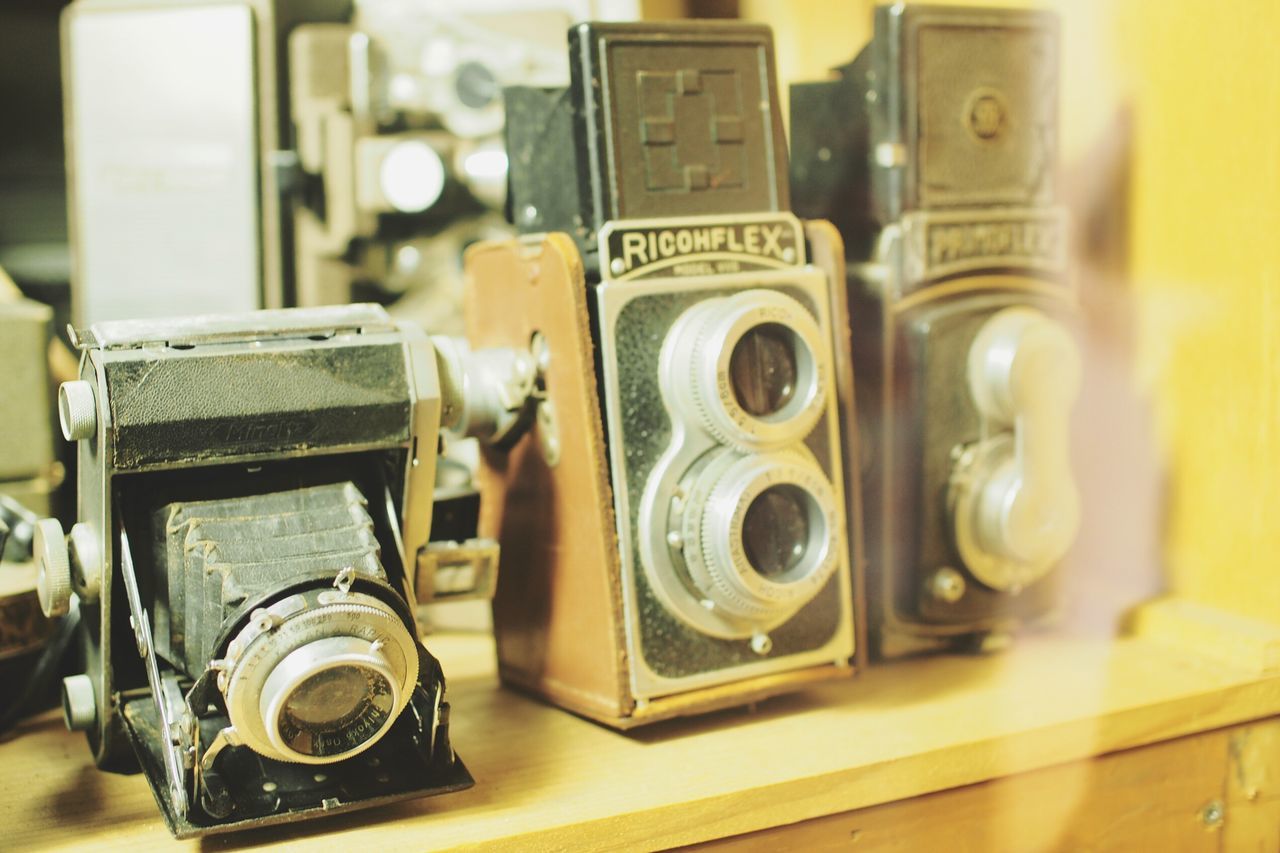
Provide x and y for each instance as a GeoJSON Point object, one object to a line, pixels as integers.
{"type": "Point", "coordinates": [1206, 267]}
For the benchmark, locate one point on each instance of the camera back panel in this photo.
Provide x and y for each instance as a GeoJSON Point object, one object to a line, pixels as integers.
{"type": "Point", "coordinates": [683, 129]}
{"type": "Point", "coordinates": [980, 114]}
{"type": "Point", "coordinates": [946, 109]}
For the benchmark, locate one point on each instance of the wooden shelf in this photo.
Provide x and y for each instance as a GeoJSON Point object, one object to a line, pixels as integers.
{"type": "Point", "coordinates": [547, 779]}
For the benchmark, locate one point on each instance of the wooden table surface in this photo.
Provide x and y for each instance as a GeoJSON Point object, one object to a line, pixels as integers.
{"type": "Point", "coordinates": [549, 780]}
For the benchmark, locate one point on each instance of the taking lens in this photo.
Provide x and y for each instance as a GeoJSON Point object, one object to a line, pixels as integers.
{"type": "Point", "coordinates": [763, 369]}
{"type": "Point", "coordinates": [324, 682]}
{"type": "Point", "coordinates": [335, 710]}
{"type": "Point", "coordinates": [775, 530]}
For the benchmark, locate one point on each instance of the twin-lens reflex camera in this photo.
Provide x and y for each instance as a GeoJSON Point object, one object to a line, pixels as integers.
{"type": "Point", "coordinates": [254, 530]}
{"type": "Point", "coordinates": [934, 152]}
{"type": "Point", "coordinates": [679, 502]}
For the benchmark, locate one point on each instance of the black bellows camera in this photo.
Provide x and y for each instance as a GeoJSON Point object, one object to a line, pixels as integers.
{"type": "Point", "coordinates": [255, 494]}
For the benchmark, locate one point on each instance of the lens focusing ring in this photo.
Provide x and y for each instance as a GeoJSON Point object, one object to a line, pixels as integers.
{"type": "Point", "coordinates": [304, 637]}
{"type": "Point", "coordinates": [704, 341]}
{"type": "Point", "coordinates": [718, 564]}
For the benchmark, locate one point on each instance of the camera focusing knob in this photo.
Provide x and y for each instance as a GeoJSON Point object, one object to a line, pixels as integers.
{"type": "Point", "coordinates": [53, 564]}
{"type": "Point", "coordinates": [77, 410]}
{"type": "Point", "coordinates": [79, 702]}
{"type": "Point", "coordinates": [86, 561]}
{"type": "Point", "coordinates": [486, 393]}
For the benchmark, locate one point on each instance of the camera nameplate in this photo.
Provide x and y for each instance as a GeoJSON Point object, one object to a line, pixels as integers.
{"type": "Point", "coordinates": [699, 246]}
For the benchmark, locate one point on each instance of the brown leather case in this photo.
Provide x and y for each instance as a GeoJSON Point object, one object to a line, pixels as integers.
{"type": "Point", "coordinates": [557, 612]}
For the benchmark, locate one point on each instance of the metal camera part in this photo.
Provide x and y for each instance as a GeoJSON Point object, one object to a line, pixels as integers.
{"type": "Point", "coordinates": [729, 498]}
{"type": "Point", "coordinates": [745, 377]}
{"type": "Point", "coordinates": [935, 153]}
{"type": "Point", "coordinates": [1015, 505]}
{"type": "Point", "coordinates": [487, 392]}
{"type": "Point", "coordinates": [752, 366]}
{"type": "Point", "coordinates": [321, 684]}
{"type": "Point", "coordinates": [751, 539]}
{"type": "Point", "coordinates": [260, 488]}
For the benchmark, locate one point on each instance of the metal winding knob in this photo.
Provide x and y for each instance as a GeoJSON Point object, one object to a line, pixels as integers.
{"type": "Point", "coordinates": [53, 565]}
{"type": "Point", "coordinates": [77, 410]}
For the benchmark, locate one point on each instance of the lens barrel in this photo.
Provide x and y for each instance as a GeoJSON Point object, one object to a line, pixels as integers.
{"type": "Point", "coordinates": [752, 367]}
{"type": "Point", "coordinates": [319, 677]}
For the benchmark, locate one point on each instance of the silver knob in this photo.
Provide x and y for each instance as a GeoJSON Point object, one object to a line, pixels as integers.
{"type": "Point", "coordinates": [86, 559]}
{"type": "Point", "coordinates": [53, 565]}
{"type": "Point", "coordinates": [79, 703]}
{"type": "Point", "coordinates": [77, 410]}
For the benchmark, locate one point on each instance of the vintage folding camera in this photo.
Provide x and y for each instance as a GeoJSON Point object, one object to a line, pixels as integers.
{"type": "Point", "coordinates": [336, 148]}
{"type": "Point", "coordinates": [679, 507]}
{"type": "Point", "coordinates": [935, 152]}
{"type": "Point", "coordinates": [255, 528]}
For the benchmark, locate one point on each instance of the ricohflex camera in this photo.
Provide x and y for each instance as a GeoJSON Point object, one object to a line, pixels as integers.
{"type": "Point", "coordinates": [341, 149]}
{"type": "Point", "coordinates": [255, 528]}
{"type": "Point", "coordinates": [934, 152]}
{"type": "Point", "coordinates": [680, 505]}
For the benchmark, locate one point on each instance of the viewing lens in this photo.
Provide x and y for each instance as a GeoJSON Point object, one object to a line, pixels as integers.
{"type": "Point", "coordinates": [764, 369]}
{"type": "Point", "coordinates": [336, 710]}
{"type": "Point", "coordinates": [775, 530]}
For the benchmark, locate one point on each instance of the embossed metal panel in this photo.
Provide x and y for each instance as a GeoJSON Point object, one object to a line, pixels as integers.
{"type": "Point", "coordinates": [983, 118]}
{"type": "Point", "coordinates": [680, 122]}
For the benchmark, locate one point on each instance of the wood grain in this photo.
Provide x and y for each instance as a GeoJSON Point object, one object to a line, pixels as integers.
{"type": "Point", "coordinates": [547, 779]}
{"type": "Point", "coordinates": [1177, 795]}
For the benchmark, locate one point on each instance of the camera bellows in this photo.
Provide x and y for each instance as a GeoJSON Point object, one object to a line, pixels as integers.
{"type": "Point", "coordinates": [218, 554]}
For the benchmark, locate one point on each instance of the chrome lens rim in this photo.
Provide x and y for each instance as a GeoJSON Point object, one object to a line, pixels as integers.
{"type": "Point", "coordinates": [728, 595]}
{"type": "Point", "coordinates": [260, 674]}
{"type": "Point", "coordinates": [704, 342]}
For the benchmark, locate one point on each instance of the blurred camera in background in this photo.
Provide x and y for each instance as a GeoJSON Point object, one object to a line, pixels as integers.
{"type": "Point", "coordinates": [935, 152]}
{"type": "Point", "coordinates": [268, 153]}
